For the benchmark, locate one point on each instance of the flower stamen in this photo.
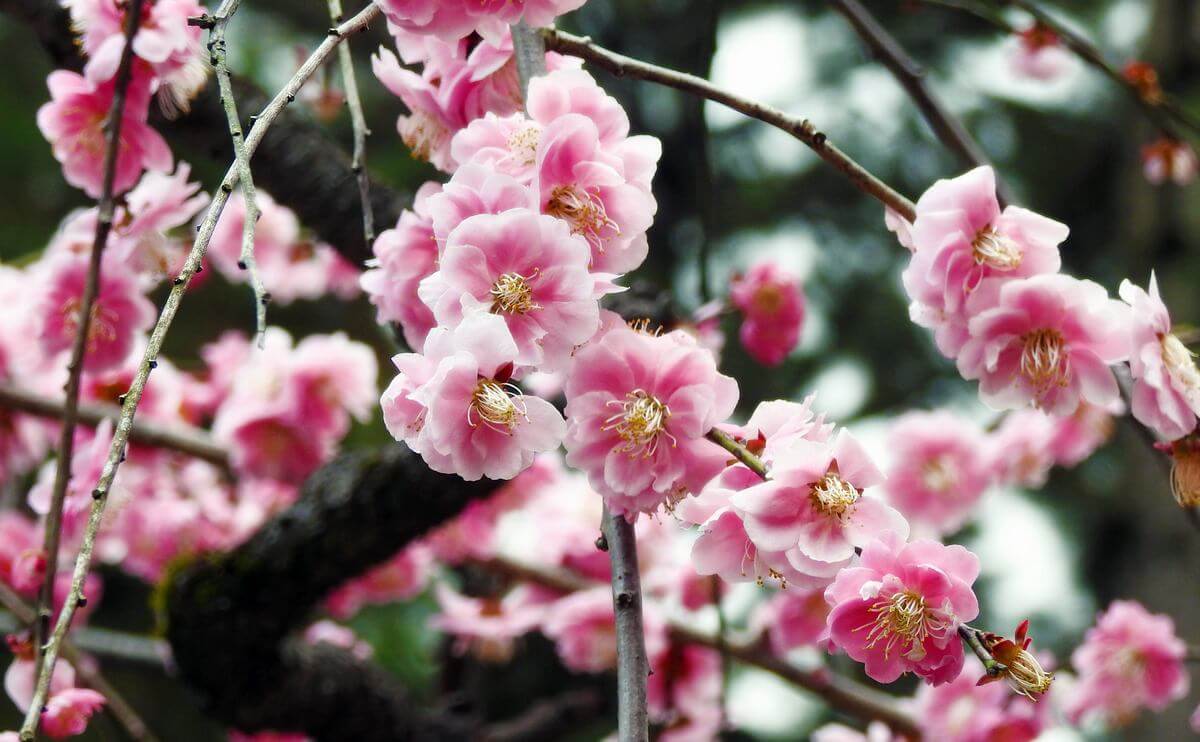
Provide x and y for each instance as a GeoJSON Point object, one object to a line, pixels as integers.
{"type": "Point", "coordinates": [904, 620]}
{"type": "Point", "coordinates": [833, 495]}
{"type": "Point", "coordinates": [1044, 361]}
{"type": "Point", "coordinates": [512, 294]}
{"type": "Point", "coordinates": [994, 250]}
{"type": "Point", "coordinates": [500, 406]}
{"type": "Point", "coordinates": [584, 211]}
{"type": "Point", "coordinates": [641, 423]}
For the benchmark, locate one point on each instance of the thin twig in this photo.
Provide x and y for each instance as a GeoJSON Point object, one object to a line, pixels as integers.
{"type": "Point", "coordinates": [116, 705]}
{"type": "Point", "coordinates": [842, 694]}
{"type": "Point", "coordinates": [970, 637]}
{"type": "Point", "coordinates": [633, 667]}
{"type": "Point", "coordinates": [359, 123]}
{"type": "Point", "coordinates": [802, 129]}
{"type": "Point", "coordinates": [740, 452]}
{"type": "Point", "coordinates": [91, 290]}
{"type": "Point", "coordinates": [218, 57]}
{"type": "Point", "coordinates": [911, 76]}
{"type": "Point", "coordinates": [178, 437]}
{"type": "Point", "coordinates": [154, 346]}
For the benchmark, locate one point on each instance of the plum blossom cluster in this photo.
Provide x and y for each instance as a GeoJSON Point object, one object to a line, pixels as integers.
{"type": "Point", "coordinates": [987, 282]}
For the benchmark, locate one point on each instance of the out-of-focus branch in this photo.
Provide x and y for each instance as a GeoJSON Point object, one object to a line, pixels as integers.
{"type": "Point", "coordinates": [116, 452]}
{"type": "Point", "coordinates": [190, 441]}
{"type": "Point", "coordinates": [553, 718]}
{"type": "Point", "coordinates": [840, 693]}
{"type": "Point", "coordinates": [911, 76]}
{"type": "Point", "coordinates": [26, 616]}
{"type": "Point", "coordinates": [802, 129]}
{"type": "Point", "coordinates": [118, 645]}
{"type": "Point", "coordinates": [297, 163]}
{"type": "Point", "coordinates": [105, 208]}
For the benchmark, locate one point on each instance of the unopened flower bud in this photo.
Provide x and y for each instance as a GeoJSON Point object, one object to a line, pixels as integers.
{"type": "Point", "coordinates": [1185, 471]}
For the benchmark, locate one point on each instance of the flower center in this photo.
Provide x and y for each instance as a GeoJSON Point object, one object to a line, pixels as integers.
{"type": "Point", "coordinates": [1044, 361]}
{"type": "Point", "coordinates": [904, 620]}
{"type": "Point", "coordinates": [103, 325]}
{"type": "Point", "coordinates": [833, 495]}
{"type": "Point", "coordinates": [994, 250]}
{"type": "Point", "coordinates": [939, 475]}
{"type": "Point", "coordinates": [499, 406]}
{"type": "Point", "coordinates": [1180, 363]}
{"type": "Point", "coordinates": [641, 423]}
{"type": "Point", "coordinates": [512, 294]}
{"type": "Point", "coordinates": [523, 144]}
{"type": "Point", "coordinates": [768, 299]}
{"type": "Point", "coordinates": [584, 211]}
{"type": "Point", "coordinates": [423, 134]}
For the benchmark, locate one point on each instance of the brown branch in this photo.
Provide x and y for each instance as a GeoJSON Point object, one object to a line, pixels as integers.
{"type": "Point", "coordinates": [187, 440]}
{"type": "Point", "coordinates": [911, 76]}
{"type": "Point", "coordinates": [91, 290]}
{"type": "Point", "coordinates": [842, 694]}
{"type": "Point", "coordinates": [802, 129]}
{"type": "Point", "coordinates": [116, 704]}
{"type": "Point", "coordinates": [633, 667]}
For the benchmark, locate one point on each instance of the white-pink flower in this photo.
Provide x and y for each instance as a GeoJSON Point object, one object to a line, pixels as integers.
{"type": "Point", "coordinates": [527, 269]}
{"type": "Point", "coordinates": [639, 406]}
{"type": "Point", "coordinates": [1166, 389]}
{"type": "Point", "coordinates": [814, 502]}
{"type": "Point", "coordinates": [1046, 340]}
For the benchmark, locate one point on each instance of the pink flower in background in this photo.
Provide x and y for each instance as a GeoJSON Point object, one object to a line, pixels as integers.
{"type": "Point", "coordinates": [1046, 340]}
{"type": "Point", "coordinates": [20, 545]}
{"type": "Point", "coordinates": [899, 610]}
{"type": "Point", "coordinates": [1166, 389]}
{"type": "Point", "coordinates": [487, 628]}
{"type": "Point", "coordinates": [402, 577]}
{"type": "Point", "coordinates": [528, 270]}
{"type": "Point", "coordinates": [684, 683]}
{"type": "Point", "coordinates": [586, 185]}
{"type": "Point", "coordinates": [1169, 160]}
{"type": "Point", "coordinates": [67, 709]}
{"type": "Point", "coordinates": [940, 469]}
{"type": "Point", "coordinates": [960, 238]}
{"type": "Point", "coordinates": [1130, 660]}
{"type": "Point", "coordinates": [1037, 53]}
{"type": "Point", "coordinates": [772, 306]}
{"type": "Point", "coordinates": [335, 376]}
{"type": "Point", "coordinates": [584, 631]}
{"type": "Point", "coordinates": [963, 711]}
{"type": "Point", "coordinates": [119, 316]}
{"type": "Point", "coordinates": [793, 618]}
{"type": "Point", "coordinates": [814, 501]}
{"type": "Point", "coordinates": [158, 204]}
{"type": "Point", "coordinates": [73, 123]}
{"type": "Point", "coordinates": [639, 406]}
{"type": "Point", "coordinates": [455, 405]}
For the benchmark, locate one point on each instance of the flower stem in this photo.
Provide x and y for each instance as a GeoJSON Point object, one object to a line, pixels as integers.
{"type": "Point", "coordinates": [740, 452]}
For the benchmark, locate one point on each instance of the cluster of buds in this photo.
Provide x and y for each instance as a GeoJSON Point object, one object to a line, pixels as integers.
{"type": "Point", "coordinates": [1014, 663]}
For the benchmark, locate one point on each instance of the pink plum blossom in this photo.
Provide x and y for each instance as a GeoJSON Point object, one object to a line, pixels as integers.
{"type": "Point", "coordinates": [723, 548]}
{"type": "Point", "coordinates": [67, 709]}
{"type": "Point", "coordinates": [940, 469]}
{"type": "Point", "coordinates": [527, 269]}
{"type": "Point", "coordinates": [487, 627]}
{"type": "Point", "coordinates": [684, 684]}
{"type": "Point", "coordinates": [567, 91]}
{"type": "Point", "coordinates": [404, 255]}
{"type": "Point", "coordinates": [814, 502]}
{"type": "Point", "coordinates": [772, 307]}
{"type": "Point", "coordinates": [158, 204]}
{"type": "Point", "coordinates": [402, 577]}
{"type": "Point", "coordinates": [505, 144]}
{"type": "Point", "coordinates": [960, 238]}
{"type": "Point", "coordinates": [456, 407]}
{"type": "Point", "coordinates": [595, 191]}
{"type": "Point", "coordinates": [1046, 340]}
{"type": "Point", "coordinates": [1166, 388]}
{"type": "Point", "coordinates": [639, 406]}
{"type": "Point", "coordinates": [794, 618]}
{"type": "Point", "coordinates": [475, 188]}
{"type": "Point", "coordinates": [584, 631]}
{"type": "Point", "coordinates": [1037, 53]}
{"type": "Point", "coordinates": [453, 19]}
{"type": "Point", "coordinates": [120, 314]}
{"type": "Point", "coordinates": [1130, 660]}
{"type": "Point", "coordinates": [73, 123]}
{"type": "Point", "coordinates": [964, 711]}
{"type": "Point", "coordinates": [898, 611]}
{"type": "Point", "coordinates": [20, 549]}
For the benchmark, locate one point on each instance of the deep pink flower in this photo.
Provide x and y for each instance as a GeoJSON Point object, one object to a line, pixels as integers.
{"type": "Point", "coordinates": [1166, 389]}
{"type": "Point", "coordinates": [1045, 340]}
{"type": "Point", "coordinates": [455, 406]}
{"type": "Point", "coordinates": [960, 238]}
{"type": "Point", "coordinates": [639, 406]}
{"type": "Point", "coordinates": [684, 683]}
{"type": "Point", "coordinates": [73, 123]}
{"type": "Point", "coordinates": [68, 708]}
{"type": "Point", "coordinates": [899, 610]}
{"type": "Point", "coordinates": [940, 469]}
{"type": "Point", "coordinates": [772, 306]}
{"type": "Point", "coordinates": [964, 711]}
{"type": "Point", "coordinates": [593, 189]}
{"type": "Point", "coordinates": [814, 501]}
{"type": "Point", "coordinates": [121, 313]}
{"type": "Point", "coordinates": [527, 269]}
{"type": "Point", "coordinates": [1130, 660]}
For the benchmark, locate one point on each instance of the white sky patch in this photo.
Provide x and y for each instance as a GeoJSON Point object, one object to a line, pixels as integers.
{"type": "Point", "coordinates": [842, 388]}
{"type": "Point", "coordinates": [762, 704]}
{"type": "Point", "coordinates": [760, 55]}
{"type": "Point", "coordinates": [1125, 25]}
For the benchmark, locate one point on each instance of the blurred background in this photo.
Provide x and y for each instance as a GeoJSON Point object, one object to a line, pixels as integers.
{"type": "Point", "coordinates": [733, 191]}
